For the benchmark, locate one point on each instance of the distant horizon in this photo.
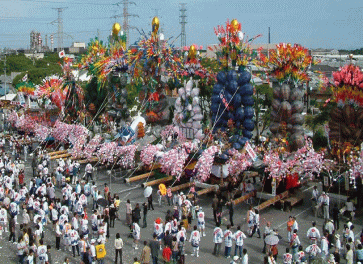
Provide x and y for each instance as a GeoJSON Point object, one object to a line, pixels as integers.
{"type": "Point", "coordinates": [314, 24]}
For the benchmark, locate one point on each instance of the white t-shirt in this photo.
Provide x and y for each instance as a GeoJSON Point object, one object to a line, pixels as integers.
{"type": "Point", "coordinates": [42, 251]}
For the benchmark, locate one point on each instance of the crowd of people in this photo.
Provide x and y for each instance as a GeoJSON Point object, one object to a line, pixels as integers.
{"type": "Point", "coordinates": [80, 215]}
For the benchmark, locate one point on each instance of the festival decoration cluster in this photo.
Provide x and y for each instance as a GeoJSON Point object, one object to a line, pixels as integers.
{"type": "Point", "coordinates": [288, 63]}
{"type": "Point", "coordinates": [238, 162]}
{"type": "Point", "coordinates": [204, 164]}
{"type": "Point", "coordinates": [148, 153]}
{"type": "Point", "coordinates": [27, 88]}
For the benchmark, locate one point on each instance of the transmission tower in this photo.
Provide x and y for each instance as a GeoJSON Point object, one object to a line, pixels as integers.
{"type": "Point", "coordinates": [59, 21]}
{"type": "Point", "coordinates": [183, 21]}
{"type": "Point", "coordinates": [125, 14]}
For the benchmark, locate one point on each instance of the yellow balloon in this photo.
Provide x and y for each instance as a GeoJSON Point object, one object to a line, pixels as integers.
{"type": "Point", "coordinates": [192, 52]}
{"type": "Point", "coordinates": [116, 29]}
{"type": "Point", "coordinates": [155, 25]}
{"type": "Point", "coordinates": [162, 189]}
{"type": "Point", "coordinates": [234, 24]}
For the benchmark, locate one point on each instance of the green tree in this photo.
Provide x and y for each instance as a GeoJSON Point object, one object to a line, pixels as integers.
{"type": "Point", "coordinates": [263, 97]}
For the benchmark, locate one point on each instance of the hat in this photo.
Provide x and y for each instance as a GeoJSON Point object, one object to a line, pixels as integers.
{"type": "Point", "coordinates": [323, 193]}
{"type": "Point", "coordinates": [93, 241]}
{"type": "Point", "coordinates": [235, 258]}
{"type": "Point", "coordinates": [181, 193]}
{"type": "Point", "coordinates": [99, 240]}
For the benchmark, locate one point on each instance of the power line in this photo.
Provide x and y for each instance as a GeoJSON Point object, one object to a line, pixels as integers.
{"type": "Point", "coordinates": [126, 15]}
{"type": "Point", "coordinates": [59, 2]}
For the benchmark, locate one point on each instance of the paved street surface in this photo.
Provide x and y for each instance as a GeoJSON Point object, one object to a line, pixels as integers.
{"type": "Point", "coordinates": [134, 192]}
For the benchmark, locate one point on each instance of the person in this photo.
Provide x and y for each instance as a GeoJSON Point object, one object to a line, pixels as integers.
{"type": "Point", "coordinates": [136, 261]}
{"type": "Point", "coordinates": [118, 247]}
{"type": "Point", "coordinates": [175, 250]}
{"type": "Point", "coordinates": [144, 222]}
{"type": "Point", "coordinates": [329, 227]}
{"type": "Point", "coordinates": [313, 250]}
{"type": "Point", "coordinates": [325, 246]}
{"type": "Point", "coordinates": [154, 247]}
{"type": "Point", "coordinates": [245, 256]}
{"type": "Point", "coordinates": [128, 213]}
{"type": "Point", "coordinates": [217, 239]}
{"type": "Point", "coordinates": [324, 203]}
{"type": "Point", "coordinates": [21, 247]}
{"type": "Point", "coordinates": [88, 171]}
{"type": "Point", "coordinates": [42, 252]}
{"type": "Point", "coordinates": [313, 233]}
{"type": "Point", "coordinates": [287, 257]}
{"type": "Point", "coordinates": [181, 247]}
{"type": "Point", "coordinates": [228, 236]}
{"type": "Point", "coordinates": [166, 254]}
{"type": "Point", "coordinates": [93, 251]}
{"type": "Point", "coordinates": [201, 222]}
{"type": "Point", "coordinates": [150, 202]}
{"type": "Point", "coordinates": [239, 236]}
{"type": "Point", "coordinates": [136, 235]}
{"type": "Point", "coordinates": [100, 251]}
{"type": "Point", "coordinates": [136, 214]}
{"type": "Point", "coordinates": [145, 254]}
{"type": "Point", "coordinates": [289, 224]}
{"type": "Point", "coordinates": [335, 215]}
{"type": "Point", "coordinates": [250, 217]}
{"type": "Point", "coordinates": [229, 205]}
{"type": "Point", "coordinates": [195, 240]}
{"type": "Point", "coordinates": [349, 255]}
{"type": "Point", "coordinates": [315, 195]}
{"type": "Point", "coordinates": [58, 234]}
{"type": "Point", "coordinates": [12, 229]}
{"type": "Point", "coordinates": [359, 253]}
{"type": "Point", "coordinates": [294, 242]}
{"type": "Point", "coordinates": [267, 231]}
{"type": "Point", "coordinates": [271, 258]}
{"type": "Point", "coordinates": [112, 215]}
{"type": "Point", "coordinates": [256, 224]}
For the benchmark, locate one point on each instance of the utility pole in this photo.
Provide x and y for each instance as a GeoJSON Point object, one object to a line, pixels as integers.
{"type": "Point", "coordinates": [125, 14]}
{"type": "Point", "coordinates": [59, 21]}
{"type": "Point", "coordinates": [183, 22]}
{"type": "Point", "coordinates": [5, 76]}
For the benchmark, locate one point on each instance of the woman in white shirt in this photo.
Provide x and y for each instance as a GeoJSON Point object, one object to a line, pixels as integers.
{"type": "Point", "coordinates": [118, 247]}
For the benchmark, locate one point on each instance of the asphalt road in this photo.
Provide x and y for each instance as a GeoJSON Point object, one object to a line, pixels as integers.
{"type": "Point", "coordinates": [134, 192]}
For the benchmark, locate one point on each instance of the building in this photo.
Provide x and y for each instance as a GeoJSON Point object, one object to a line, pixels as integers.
{"type": "Point", "coordinates": [77, 47]}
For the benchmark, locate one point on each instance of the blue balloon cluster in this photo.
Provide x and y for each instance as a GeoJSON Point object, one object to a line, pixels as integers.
{"type": "Point", "coordinates": [232, 100]}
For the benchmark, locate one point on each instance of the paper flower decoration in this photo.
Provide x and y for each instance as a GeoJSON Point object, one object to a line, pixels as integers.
{"type": "Point", "coordinates": [204, 164]}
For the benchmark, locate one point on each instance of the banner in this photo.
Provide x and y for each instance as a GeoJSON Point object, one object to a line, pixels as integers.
{"type": "Point", "coordinates": [250, 151]}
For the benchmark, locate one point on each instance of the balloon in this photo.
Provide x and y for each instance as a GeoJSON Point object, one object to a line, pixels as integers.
{"type": "Point", "coordinates": [244, 78]}
{"type": "Point", "coordinates": [240, 114]}
{"type": "Point", "coordinates": [237, 100]}
{"type": "Point", "coordinates": [247, 100]}
{"type": "Point", "coordinates": [237, 146]}
{"type": "Point", "coordinates": [247, 89]}
{"type": "Point", "coordinates": [296, 94]}
{"type": "Point", "coordinates": [232, 86]}
{"type": "Point", "coordinates": [249, 112]}
{"type": "Point", "coordinates": [248, 124]}
{"type": "Point", "coordinates": [242, 140]}
{"type": "Point", "coordinates": [276, 92]}
{"type": "Point", "coordinates": [228, 97]}
{"type": "Point", "coordinates": [297, 119]}
{"type": "Point", "coordinates": [248, 134]}
{"type": "Point", "coordinates": [234, 25]}
{"type": "Point", "coordinates": [285, 109]}
{"type": "Point", "coordinates": [232, 75]}
{"type": "Point", "coordinates": [217, 88]}
{"type": "Point", "coordinates": [297, 107]}
{"type": "Point", "coordinates": [285, 92]}
{"type": "Point", "coordinates": [230, 116]}
{"type": "Point", "coordinates": [155, 25]}
{"type": "Point", "coordinates": [238, 124]}
{"type": "Point", "coordinates": [116, 29]}
{"type": "Point", "coordinates": [221, 77]}
{"type": "Point", "coordinates": [274, 127]}
{"type": "Point", "coordinates": [298, 129]}
{"type": "Point", "coordinates": [162, 189]}
{"type": "Point", "coordinates": [276, 105]}
{"type": "Point", "coordinates": [214, 108]}
{"type": "Point", "coordinates": [192, 52]}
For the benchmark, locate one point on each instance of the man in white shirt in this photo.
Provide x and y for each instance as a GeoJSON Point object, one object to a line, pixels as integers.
{"type": "Point", "coordinates": [324, 202]}
{"type": "Point", "coordinates": [136, 234]}
{"type": "Point", "coordinates": [312, 250]}
{"type": "Point", "coordinates": [239, 236]}
{"type": "Point", "coordinates": [42, 252]}
{"type": "Point", "coordinates": [195, 240]}
{"type": "Point", "coordinates": [228, 236]}
{"type": "Point", "coordinates": [313, 234]}
{"type": "Point", "coordinates": [217, 239]}
{"type": "Point", "coordinates": [93, 250]}
{"type": "Point", "coordinates": [245, 257]}
{"type": "Point", "coordinates": [89, 170]}
{"type": "Point", "coordinates": [201, 222]}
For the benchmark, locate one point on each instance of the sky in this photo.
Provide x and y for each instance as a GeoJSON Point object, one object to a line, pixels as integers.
{"type": "Point", "coordinates": [311, 23]}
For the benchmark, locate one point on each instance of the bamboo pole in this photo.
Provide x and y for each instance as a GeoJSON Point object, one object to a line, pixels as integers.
{"type": "Point", "coordinates": [273, 200]}
{"type": "Point", "coordinates": [66, 155]}
{"type": "Point", "coordinates": [139, 177]}
{"type": "Point", "coordinates": [158, 181]}
{"type": "Point", "coordinates": [95, 159]}
{"type": "Point", "coordinates": [181, 186]}
{"type": "Point", "coordinates": [244, 198]}
{"type": "Point", "coordinates": [57, 152]}
{"type": "Point", "coordinates": [201, 192]}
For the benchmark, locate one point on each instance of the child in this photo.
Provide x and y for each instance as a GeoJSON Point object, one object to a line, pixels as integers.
{"type": "Point", "coordinates": [135, 261]}
{"type": "Point", "coordinates": [181, 251]}
{"type": "Point", "coordinates": [244, 256]}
